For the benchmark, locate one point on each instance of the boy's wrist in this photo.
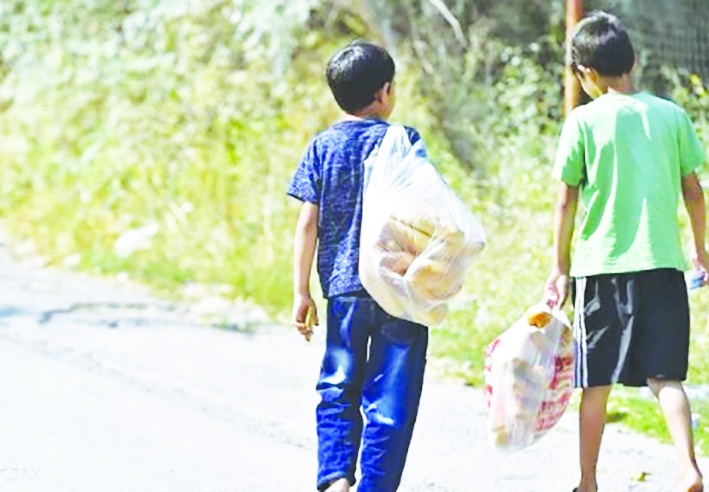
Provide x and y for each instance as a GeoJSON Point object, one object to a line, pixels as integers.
{"type": "Point", "coordinates": [561, 269]}
{"type": "Point", "coordinates": [697, 249]}
{"type": "Point", "coordinates": [699, 254]}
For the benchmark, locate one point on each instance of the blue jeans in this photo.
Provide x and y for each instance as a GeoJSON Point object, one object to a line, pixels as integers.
{"type": "Point", "coordinates": [374, 364]}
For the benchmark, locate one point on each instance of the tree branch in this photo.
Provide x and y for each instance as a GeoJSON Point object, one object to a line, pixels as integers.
{"type": "Point", "coordinates": [450, 18]}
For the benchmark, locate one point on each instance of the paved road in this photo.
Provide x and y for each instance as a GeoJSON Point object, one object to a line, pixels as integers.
{"type": "Point", "coordinates": [104, 388]}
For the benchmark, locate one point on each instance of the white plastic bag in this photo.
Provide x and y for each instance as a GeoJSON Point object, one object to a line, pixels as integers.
{"type": "Point", "coordinates": [529, 378]}
{"type": "Point", "coordinates": [418, 238]}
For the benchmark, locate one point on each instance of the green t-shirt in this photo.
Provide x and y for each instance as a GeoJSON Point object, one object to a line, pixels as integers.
{"type": "Point", "coordinates": [628, 153]}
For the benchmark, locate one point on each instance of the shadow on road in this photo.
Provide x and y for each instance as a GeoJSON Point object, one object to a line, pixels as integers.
{"type": "Point", "coordinates": [11, 311]}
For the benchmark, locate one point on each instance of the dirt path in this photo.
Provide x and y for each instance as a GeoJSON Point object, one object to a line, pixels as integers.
{"type": "Point", "coordinates": [108, 389]}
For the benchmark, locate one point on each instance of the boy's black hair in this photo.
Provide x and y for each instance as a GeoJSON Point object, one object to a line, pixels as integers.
{"type": "Point", "coordinates": [601, 42]}
{"type": "Point", "coordinates": [357, 72]}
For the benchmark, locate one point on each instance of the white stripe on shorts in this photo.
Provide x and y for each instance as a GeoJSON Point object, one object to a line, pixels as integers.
{"type": "Point", "coordinates": [581, 375]}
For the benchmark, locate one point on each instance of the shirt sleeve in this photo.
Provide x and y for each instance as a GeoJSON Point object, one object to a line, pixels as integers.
{"type": "Point", "coordinates": [569, 165]}
{"type": "Point", "coordinates": [306, 183]}
{"type": "Point", "coordinates": [691, 153]}
{"type": "Point", "coordinates": [414, 137]}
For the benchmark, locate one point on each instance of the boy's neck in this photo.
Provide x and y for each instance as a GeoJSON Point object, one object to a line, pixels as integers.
{"type": "Point", "coordinates": [375, 111]}
{"type": "Point", "coordinates": [622, 84]}
{"type": "Point", "coordinates": [365, 115]}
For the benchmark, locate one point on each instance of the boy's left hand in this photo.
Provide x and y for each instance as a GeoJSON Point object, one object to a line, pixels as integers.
{"type": "Point", "coordinates": [700, 260]}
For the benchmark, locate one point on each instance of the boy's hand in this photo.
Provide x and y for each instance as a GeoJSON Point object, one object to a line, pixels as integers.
{"type": "Point", "coordinates": [305, 315]}
{"type": "Point", "coordinates": [700, 260]}
{"type": "Point", "coordinates": [556, 289]}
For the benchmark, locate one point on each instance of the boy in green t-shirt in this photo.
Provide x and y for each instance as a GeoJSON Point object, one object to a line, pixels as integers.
{"type": "Point", "coordinates": [628, 156]}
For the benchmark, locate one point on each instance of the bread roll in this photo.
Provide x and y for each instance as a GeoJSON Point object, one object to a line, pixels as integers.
{"type": "Point", "coordinates": [397, 262]}
{"type": "Point", "coordinates": [501, 437]}
{"type": "Point", "coordinates": [434, 280]}
{"type": "Point", "coordinates": [433, 316]}
{"type": "Point", "coordinates": [386, 286]}
{"type": "Point", "coordinates": [539, 316]}
{"type": "Point", "coordinates": [401, 236]}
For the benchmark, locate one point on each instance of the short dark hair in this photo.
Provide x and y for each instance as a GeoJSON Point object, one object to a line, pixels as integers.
{"type": "Point", "coordinates": [601, 42]}
{"type": "Point", "coordinates": [357, 72]}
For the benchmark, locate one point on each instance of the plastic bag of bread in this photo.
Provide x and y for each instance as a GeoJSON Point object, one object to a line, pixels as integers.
{"type": "Point", "coordinates": [529, 378]}
{"type": "Point", "coordinates": [418, 238]}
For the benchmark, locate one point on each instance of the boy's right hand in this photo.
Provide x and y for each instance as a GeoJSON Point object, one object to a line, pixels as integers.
{"type": "Point", "coordinates": [305, 315]}
{"type": "Point", "coordinates": [556, 289]}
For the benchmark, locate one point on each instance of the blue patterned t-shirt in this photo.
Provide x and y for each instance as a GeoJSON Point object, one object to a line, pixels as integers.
{"type": "Point", "coordinates": [330, 175]}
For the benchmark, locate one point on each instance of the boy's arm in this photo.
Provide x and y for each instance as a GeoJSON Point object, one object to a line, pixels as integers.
{"type": "Point", "coordinates": [306, 236]}
{"type": "Point", "coordinates": [693, 196]}
{"type": "Point", "coordinates": [557, 286]}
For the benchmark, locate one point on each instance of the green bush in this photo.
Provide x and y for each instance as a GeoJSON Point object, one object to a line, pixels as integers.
{"type": "Point", "coordinates": [178, 119]}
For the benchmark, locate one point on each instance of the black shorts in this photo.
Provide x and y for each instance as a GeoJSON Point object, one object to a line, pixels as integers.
{"type": "Point", "coordinates": [629, 327]}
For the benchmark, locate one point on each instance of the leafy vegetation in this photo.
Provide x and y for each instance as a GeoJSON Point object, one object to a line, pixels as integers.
{"type": "Point", "coordinates": [157, 138]}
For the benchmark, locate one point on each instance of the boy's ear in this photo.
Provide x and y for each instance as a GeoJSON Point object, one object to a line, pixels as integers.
{"type": "Point", "coordinates": [591, 73]}
{"type": "Point", "coordinates": [386, 89]}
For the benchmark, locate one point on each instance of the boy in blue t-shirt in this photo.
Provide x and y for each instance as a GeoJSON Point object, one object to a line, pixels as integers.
{"type": "Point", "coordinates": [373, 362]}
